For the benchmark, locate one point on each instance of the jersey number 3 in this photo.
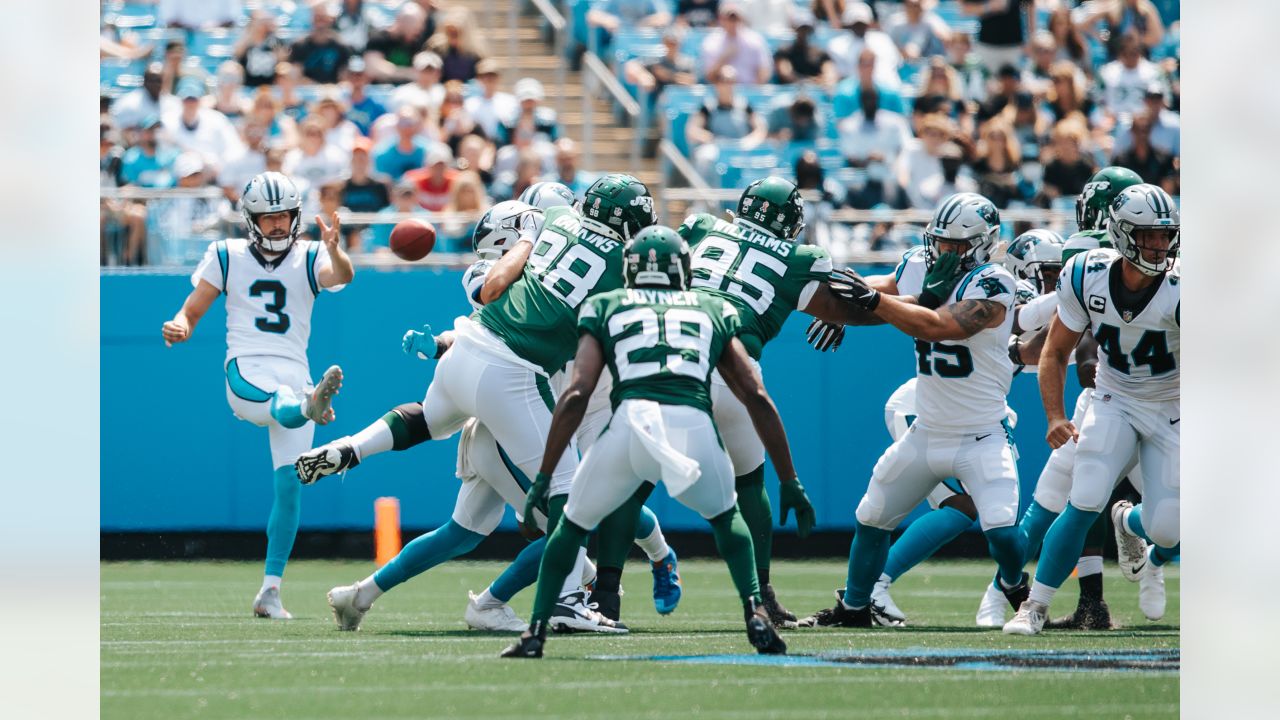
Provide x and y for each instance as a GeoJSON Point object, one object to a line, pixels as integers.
{"type": "Point", "coordinates": [280, 324]}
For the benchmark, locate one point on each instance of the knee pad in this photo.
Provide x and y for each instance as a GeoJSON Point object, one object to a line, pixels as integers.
{"type": "Point", "coordinates": [1090, 488]}
{"type": "Point", "coordinates": [1162, 523]}
{"type": "Point", "coordinates": [408, 425]}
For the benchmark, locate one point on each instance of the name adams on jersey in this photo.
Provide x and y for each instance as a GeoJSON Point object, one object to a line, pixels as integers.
{"type": "Point", "coordinates": [764, 277]}
{"type": "Point", "coordinates": [660, 345]}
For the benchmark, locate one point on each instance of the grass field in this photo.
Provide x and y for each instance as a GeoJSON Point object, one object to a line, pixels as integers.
{"type": "Point", "coordinates": [179, 641]}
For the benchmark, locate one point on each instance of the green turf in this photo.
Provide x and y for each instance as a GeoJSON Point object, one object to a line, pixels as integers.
{"type": "Point", "coordinates": [178, 641]}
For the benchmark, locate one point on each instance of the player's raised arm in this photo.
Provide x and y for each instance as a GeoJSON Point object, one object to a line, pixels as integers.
{"type": "Point", "coordinates": [193, 308]}
{"type": "Point", "coordinates": [509, 268]}
{"type": "Point", "coordinates": [1053, 373]}
{"type": "Point", "coordinates": [339, 270]}
{"type": "Point", "coordinates": [958, 321]}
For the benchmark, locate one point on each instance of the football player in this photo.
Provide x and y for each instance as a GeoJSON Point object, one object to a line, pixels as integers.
{"type": "Point", "coordinates": [660, 342]}
{"type": "Point", "coordinates": [1129, 300]}
{"type": "Point", "coordinates": [271, 281]}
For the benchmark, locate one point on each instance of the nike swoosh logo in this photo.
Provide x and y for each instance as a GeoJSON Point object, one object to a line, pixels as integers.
{"type": "Point", "coordinates": [931, 286]}
{"type": "Point", "coordinates": [980, 438]}
{"type": "Point", "coordinates": [1138, 571]}
{"type": "Point", "coordinates": [1175, 422]}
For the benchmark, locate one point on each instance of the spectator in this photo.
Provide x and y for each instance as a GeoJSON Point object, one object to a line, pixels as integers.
{"type": "Point", "coordinates": [727, 116]}
{"type": "Point", "coordinates": [363, 110]}
{"type": "Point", "coordinates": [390, 52]}
{"type": "Point", "coordinates": [288, 76]}
{"type": "Point", "coordinates": [467, 197]}
{"type": "Point", "coordinates": [697, 13]}
{"type": "Point", "coordinates": [919, 171]}
{"type": "Point", "coordinates": [353, 25]}
{"type": "Point", "coordinates": [175, 52]}
{"type": "Point", "coordinates": [1166, 125]}
{"type": "Point", "coordinates": [259, 50]}
{"type": "Point", "coordinates": [268, 111]}
{"type": "Point", "coordinates": [770, 18]}
{"type": "Point", "coordinates": [228, 98]}
{"type": "Point", "coordinates": [330, 201]}
{"type": "Point", "coordinates": [847, 97]}
{"type": "Point", "coordinates": [455, 121]}
{"type": "Point", "coordinates": [202, 130]}
{"type": "Point", "coordinates": [508, 158]}
{"type": "Point", "coordinates": [458, 46]}
{"type": "Point", "coordinates": [425, 90]}
{"type": "Point", "coordinates": [148, 164]}
{"type": "Point", "coordinates": [1008, 84]}
{"type": "Point", "coordinates": [1027, 124]}
{"type": "Point", "coordinates": [181, 225]}
{"type": "Point", "coordinates": [340, 132]}
{"type": "Point", "coordinates": [475, 154]}
{"type": "Point", "coordinates": [407, 151]}
{"type": "Point", "coordinates": [1068, 39]}
{"type": "Point", "coordinates": [1124, 17]}
{"type": "Point", "coordinates": [973, 74]}
{"type": "Point", "coordinates": [130, 109]}
{"type": "Point", "coordinates": [797, 119]}
{"type": "Point", "coordinates": [804, 60]}
{"type": "Point", "coordinates": [918, 32]}
{"type": "Point", "coordinates": [811, 177]}
{"type": "Point", "coordinates": [735, 45]}
{"type": "Point", "coordinates": [539, 122]}
{"type": "Point", "coordinates": [320, 53]}
{"type": "Point", "coordinates": [846, 48]}
{"type": "Point", "coordinates": [1124, 81]}
{"type": "Point", "coordinates": [828, 11]}
{"type": "Point", "coordinates": [873, 138]}
{"type": "Point", "coordinates": [197, 14]}
{"type": "Point", "coordinates": [110, 156]}
{"type": "Point", "coordinates": [940, 79]}
{"type": "Point", "coordinates": [1000, 29]}
{"type": "Point", "coordinates": [1152, 165]}
{"type": "Point", "coordinates": [567, 172]}
{"type": "Point", "coordinates": [995, 166]}
{"type": "Point", "coordinates": [314, 160]}
{"type": "Point", "coordinates": [528, 169]}
{"type": "Point", "coordinates": [1069, 169]}
{"type": "Point", "coordinates": [673, 68]}
{"type": "Point", "coordinates": [434, 180]}
{"type": "Point", "coordinates": [237, 172]}
{"type": "Point", "coordinates": [610, 15]}
{"type": "Point", "coordinates": [363, 190]}
{"type": "Point", "coordinates": [1037, 75]}
{"type": "Point", "coordinates": [404, 202]}
{"type": "Point", "coordinates": [490, 108]}
{"type": "Point", "coordinates": [1067, 95]}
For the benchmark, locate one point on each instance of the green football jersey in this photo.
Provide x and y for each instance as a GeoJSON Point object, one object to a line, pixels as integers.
{"type": "Point", "coordinates": [764, 277]}
{"type": "Point", "coordinates": [537, 316]}
{"type": "Point", "coordinates": [660, 345]}
{"type": "Point", "coordinates": [1084, 241]}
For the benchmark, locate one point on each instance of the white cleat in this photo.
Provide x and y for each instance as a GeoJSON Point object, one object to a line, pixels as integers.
{"type": "Point", "coordinates": [574, 614]}
{"type": "Point", "coordinates": [1029, 620]}
{"type": "Point", "coordinates": [1131, 550]}
{"type": "Point", "coordinates": [884, 604]}
{"type": "Point", "coordinates": [267, 605]}
{"type": "Point", "coordinates": [320, 405]}
{"type": "Point", "coordinates": [497, 619]}
{"type": "Point", "coordinates": [1151, 599]}
{"type": "Point", "coordinates": [342, 600]}
{"type": "Point", "coordinates": [991, 609]}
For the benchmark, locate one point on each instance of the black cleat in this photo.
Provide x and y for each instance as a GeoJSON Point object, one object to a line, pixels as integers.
{"type": "Point", "coordinates": [529, 645]}
{"type": "Point", "coordinates": [760, 631]}
{"type": "Point", "coordinates": [1017, 594]}
{"type": "Point", "coordinates": [878, 614]}
{"type": "Point", "coordinates": [335, 457]}
{"type": "Point", "coordinates": [838, 616]}
{"type": "Point", "coordinates": [1089, 615]}
{"type": "Point", "coordinates": [608, 604]}
{"type": "Point", "coordinates": [778, 615]}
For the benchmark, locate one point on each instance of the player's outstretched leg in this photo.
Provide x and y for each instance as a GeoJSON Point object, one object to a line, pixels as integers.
{"type": "Point", "coordinates": [1091, 611]}
{"type": "Point", "coordinates": [282, 528]}
{"type": "Point", "coordinates": [350, 602]}
{"type": "Point", "coordinates": [1151, 595]}
{"type": "Point", "coordinates": [733, 540]}
{"type": "Point", "coordinates": [1062, 545]}
{"type": "Point", "coordinates": [558, 561]}
{"type": "Point", "coordinates": [662, 561]}
{"type": "Point", "coordinates": [867, 556]}
{"type": "Point", "coordinates": [613, 540]}
{"type": "Point", "coordinates": [753, 501]}
{"type": "Point", "coordinates": [400, 429]}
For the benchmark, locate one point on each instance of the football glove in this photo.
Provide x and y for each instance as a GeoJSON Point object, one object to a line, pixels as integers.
{"type": "Point", "coordinates": [940, 281]}
{"type": "Point", "coordinates": [793, 497]}
{"type": "Point", "coordinates": [539, 494]}
{"type": "Point", "coordinates": [824, 336]}
{"type": "Point", "coordinates": [423, 344]}
{"type": "Point", "coordinates": [850, 287]}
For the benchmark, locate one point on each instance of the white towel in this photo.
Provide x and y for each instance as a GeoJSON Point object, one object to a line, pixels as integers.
{"type": "Point", "coordinates": [679, 471]}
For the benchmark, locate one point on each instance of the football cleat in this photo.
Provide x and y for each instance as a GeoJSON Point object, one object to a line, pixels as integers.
{"type": "Point", "coordinates": [320, 405]}
{"type": "Point", "coordinates": [666, 584]}
{"type": "Point", "coordinates": [778, 615]}
{"type": "Point", "coordinates": [573, 614]}
{"type": "Point", "coordinates": [1029, 620]}
{"type": "Point", "coordinates": [879, 615]}
{"type": "Point", "coordinates": [880, 598]}
{"type": "Point", "coordinates": [342, 601]}
{"type": "Point", "coordinates": [760, 631]}
{"type": "Point", "coordinates": [1131, 550]}
{"type": "Point", "coordinates": [1017, 594]}
{"type": "Point", "coordinates": [838, 616]}
{"type": "Point", "coordinates": [1151, 599]}
{"type": "Point", "coordinates": [267, 604]}
{"type": "Point", "coordinates": [991, 609]}
{"type": "Point", "coordinates": [335, 457]}
{"type": "Point", "coordinates": [529, 645]}
{"type": "Point", "coordinates": [498, 619]}
{"type": "Point", "coordinates": [1089, 615]}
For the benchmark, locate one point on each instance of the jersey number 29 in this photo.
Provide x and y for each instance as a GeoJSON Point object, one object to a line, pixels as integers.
{"type": "Point", "coordinates": [674, 333]}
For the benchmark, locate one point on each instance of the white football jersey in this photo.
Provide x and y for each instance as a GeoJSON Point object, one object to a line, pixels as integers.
{"type": "Point", "coordinates": [268, 302]}
{"type": "Point", "coordinates": [473, 281]}
{"type": "Point", "coordinates": [1139, 353]}
{"type": "Point", "coordinates": [962, 384]}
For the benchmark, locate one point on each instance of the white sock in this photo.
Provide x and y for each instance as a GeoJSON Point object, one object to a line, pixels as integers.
{"type": "Point", "coordinates": [486, 600]}
{"type": "Point", "coordinates": [655, 546]}
{"type": "Point", "coordinates": [271, 581]}
{"type": "Point", "coordinates": [1089, 565]}
{"type": "Point", "coordinates": [884, 578]}
{"type": "Point", "coordinates": [1042, 593]}
{"type": "Point", "coordinates": [573, 581]}
{"type": "Point", "coordinates": [376, 438]}
{"type": "Point", "coordinates": [366, 592]}
{"type": "Point", "coordinates": [588, 571]}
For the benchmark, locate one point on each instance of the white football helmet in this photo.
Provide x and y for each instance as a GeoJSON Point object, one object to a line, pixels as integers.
{"type": "Point", "coordinates": [271, 192]}
{"type": "Point", "coordinates": [968, 218]}
{"type": "Point", "coordinates": [1144, 207]}
{"type": "Point", "coordinates": [1034, 251]}
{"type": "Point", "coordinates": [498, 229]}
{"type": "Point", "coordinates": [546, 195]}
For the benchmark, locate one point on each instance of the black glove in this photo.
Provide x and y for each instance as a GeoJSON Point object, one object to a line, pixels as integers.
{"type": "Point", "coordinates": [940, 281]}
{"type": "Point", "coordinates": [824, 336]}
{"type": "Point", "coordinates": [850, 287]}
{"type": "Point", "coordinates": [1015, 350]}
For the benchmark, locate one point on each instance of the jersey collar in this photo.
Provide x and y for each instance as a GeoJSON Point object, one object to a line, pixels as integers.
{"type": "Point", "coordinates": [272, 264]}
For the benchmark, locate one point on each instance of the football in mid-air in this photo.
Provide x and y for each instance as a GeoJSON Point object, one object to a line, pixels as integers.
{"type": "Point", "coordinates": [413, 239]}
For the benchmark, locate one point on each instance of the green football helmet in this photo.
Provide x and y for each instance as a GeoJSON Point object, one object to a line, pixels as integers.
{"type": "Point", "coordinates": [1094, 202]}
{"type": "Point", "coordinates": [656, 257]}
{"type": "Point", "coordinates": [617, 206]}
{"type": "Point", "coordinates": [773, 204]}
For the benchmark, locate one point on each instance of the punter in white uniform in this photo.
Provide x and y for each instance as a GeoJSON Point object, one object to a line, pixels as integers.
{"type": "Point", "coordinates": [963, 374]}
{"type": "Point", "coordinates": [1130, 302]}
{"type": "Point", "coordinates": [271, 282]}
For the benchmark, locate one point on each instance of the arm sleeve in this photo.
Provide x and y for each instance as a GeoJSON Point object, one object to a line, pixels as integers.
{"type": "Point", "coordinates": [1038, 312]}
{"type": "Point", "coordinates": [817, 268]}
{"type": "Point", "coordinates": [1071, 294]}
{"type": "Point", "coordinates": [213, 267]}
{"type": "Point", "coordinates": [589, 320]}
